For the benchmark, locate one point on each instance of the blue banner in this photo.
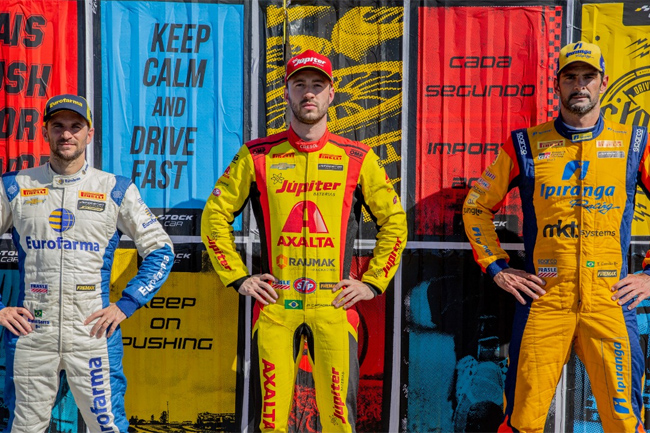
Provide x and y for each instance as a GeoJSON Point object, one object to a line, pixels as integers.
{"type": "Point", "coordinates": [172, 97]}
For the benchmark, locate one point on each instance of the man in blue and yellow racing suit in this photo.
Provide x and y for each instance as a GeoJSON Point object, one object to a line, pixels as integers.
{"type": "Point", "coordinates": [577, 177]}
{"type": "Point", "coordinates": [67, 220]}
{"type": "Point", "coordinates": [307, 187]}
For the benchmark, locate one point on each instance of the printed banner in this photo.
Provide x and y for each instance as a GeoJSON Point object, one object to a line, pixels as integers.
{"type": "Point", "coordinates": [455, 338]}
{"type": "Point", "coordinates": [621, 31]}
{"type": "Point", "coordinates": [172, 101]}
{"type": "Point", "coordinates": [364, 45]}
{"type": "Point", "coordinates": [39, 58]}
{"type": "Point", "coordinates": [179, 352]}
{"type": "Point", "coordinates": [477, 82]}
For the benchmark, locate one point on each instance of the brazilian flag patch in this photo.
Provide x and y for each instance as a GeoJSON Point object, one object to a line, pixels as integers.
{"type": "Point", "coordinates": [292, 305]}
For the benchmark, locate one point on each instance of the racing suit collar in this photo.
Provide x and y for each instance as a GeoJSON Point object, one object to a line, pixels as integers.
{"type": "Point", "coordinates": [307, 146]}
{"type": "Point", "coordinates": [577, 135]}
{"type": "Point", "coordinates": [64, 181]}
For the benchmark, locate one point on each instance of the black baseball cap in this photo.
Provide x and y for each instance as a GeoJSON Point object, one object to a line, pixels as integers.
{"type": "Point", "coordinates": [75, 103]}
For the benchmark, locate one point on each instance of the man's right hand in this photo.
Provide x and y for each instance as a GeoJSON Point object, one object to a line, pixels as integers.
{"type": "Point", "coordinates": [515, 281]}
{"type": "Point", "coordinates": [13, 318]}
{"type": "Point", "coordinates": [258, 287]}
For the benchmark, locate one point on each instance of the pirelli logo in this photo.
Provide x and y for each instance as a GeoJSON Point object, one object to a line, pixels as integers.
{"type": "Point", "coordinates": [549, 144]}
{"type": "Point", "coordinates": [34, 191]}
{"type": "Point", "coordinates": [92, 195]}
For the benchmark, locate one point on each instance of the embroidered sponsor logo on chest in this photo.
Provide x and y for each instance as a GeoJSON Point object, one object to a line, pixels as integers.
{"type": "Point", "coordinates": [92, 195]}
{"type": "Point", "coordinates": [94, 206]}
{"type": "Point", "coordinates": [34, 191]}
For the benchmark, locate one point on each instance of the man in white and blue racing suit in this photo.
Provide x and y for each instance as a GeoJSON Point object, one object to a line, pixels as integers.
{"type": "Point", "coordinates": [67, 221]}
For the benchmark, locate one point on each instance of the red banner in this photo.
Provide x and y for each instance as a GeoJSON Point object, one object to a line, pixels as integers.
{"type": "Point", "coordinates": [477, 82]}
{"type": "Point", "coordinates": [38, 59]}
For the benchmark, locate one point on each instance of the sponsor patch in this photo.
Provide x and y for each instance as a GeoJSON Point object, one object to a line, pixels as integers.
{"type": "Point", "coordinates": [38, 288]}
{"type": "Point", "coordinates": [283, 155]}
{"type": "Point", "coordinates": [293, 305]}
{"type": "Point", "coordinates": [332, 157]}
{"type": "Point", "coordinates": [611, 154]}
{"type": "Point", "coordinates": [304, 285]}
{"type": "Point", "coordinates": [282, 285]}
{"type": "Point", "coordinates": [547, 262]}
{"type": "Point", "coordinates": [34, 201]}
{"type": "Point", "coordinates": [547, 272]}
{"type": "Point", "coordinates": [94, 206]}
{"type": "Point", "coordinates": [471, 199]}
{"type": "Point", "coordinates": [61, 220]}
{"type": "Point", "coordinates": [327, 286]}
{"type": "Point", "coordinates": [85, 287]}
{"type": "Point", "coordinates": [582, 137]}
{"type": "Point", "coordinates": [483, 183]}
{"type": "Point", "coordinates": [608, 144]}
{"type": "Point", "coordinates": [92, 195]}
{"type": "Point", "coordinates": [216, 192]}
{"type": "Point", "coordinates": [548, 144]}
{"type": "Point", "coordinates": [34, 191]}
{"type": "Point", "coordinates": [549, 156]}
{"type": "Point", "coordinates": [490, 175]}
{"type": "Point", "coordinates": [331, 167]}
{"type": "Point", "coordinates": [282, 166]}
{"type": "Point", "coordinates": [282, 261]}
{"type": "Point", "coordinates": [608, 273]}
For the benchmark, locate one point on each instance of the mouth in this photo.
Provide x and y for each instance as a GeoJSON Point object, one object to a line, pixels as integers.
{"type": "Point", "coordinates": [579, 96]}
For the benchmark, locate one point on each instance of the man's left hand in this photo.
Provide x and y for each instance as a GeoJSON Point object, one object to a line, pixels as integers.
{"type": "Point", "coordinates": [108, 319]}
{"type": "Point", "coordinates": [633, 285]}
{"type": "Point", "coordinates": [353, 292]}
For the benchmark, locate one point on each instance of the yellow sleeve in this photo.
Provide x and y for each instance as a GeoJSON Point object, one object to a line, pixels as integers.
{"type": "Point", "coordinates": [228, 197]}
{"type": "Point", "coordinates": [385, 206]}
{"type": "Point", "coordinates": [482, 202]}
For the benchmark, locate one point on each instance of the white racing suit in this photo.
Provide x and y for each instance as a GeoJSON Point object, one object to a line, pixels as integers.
{"type": "Point", "coordinates": [66, 230]}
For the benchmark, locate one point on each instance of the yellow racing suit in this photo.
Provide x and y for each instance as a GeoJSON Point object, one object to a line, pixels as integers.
{"type": "Point", "coordinates": [307, 199]}
{"type": "Point", "coordinates": [577, 191]}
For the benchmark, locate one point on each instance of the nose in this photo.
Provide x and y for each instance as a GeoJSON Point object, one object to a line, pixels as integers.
{"type": "Point", "coordinates": [67, 134]}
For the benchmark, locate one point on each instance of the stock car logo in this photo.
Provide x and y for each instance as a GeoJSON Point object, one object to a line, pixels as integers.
{"type": "Point", "coordinates": [61, 220]}
{"type": "Point", "coordinates": [304, 285]}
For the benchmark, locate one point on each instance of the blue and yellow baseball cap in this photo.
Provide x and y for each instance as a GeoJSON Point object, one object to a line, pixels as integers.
{"type": "Point", "coordinates": [581, 52]}
{"type": "Point", "coordinates": [75, 103]}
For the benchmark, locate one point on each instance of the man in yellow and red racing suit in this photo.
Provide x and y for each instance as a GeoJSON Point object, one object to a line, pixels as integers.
{"type": "Point", "coordinates": [307, 187]}
{"type": "Point", "coordinates": [577, 177]}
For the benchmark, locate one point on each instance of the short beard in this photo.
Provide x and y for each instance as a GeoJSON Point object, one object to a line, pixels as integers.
{"type": "Point", "coordinates": [577, 109]}
{"type": "Point", "coordinates": [295, 112]}
{"type": "Point", "coordinates": [68, 158]}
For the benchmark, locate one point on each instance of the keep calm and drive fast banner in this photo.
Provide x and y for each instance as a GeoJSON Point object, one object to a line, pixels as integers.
{"type": "Point", "coordinates": [172, 103]}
